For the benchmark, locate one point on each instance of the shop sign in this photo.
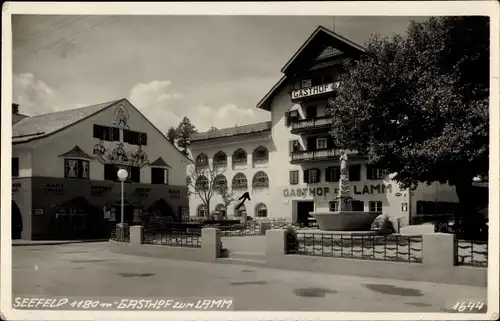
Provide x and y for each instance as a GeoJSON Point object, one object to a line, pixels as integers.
{"type": "Point", "coordinates": [56, 189]}
{"type": "Point", "coordinates": [304, 192]}
{"type": "Point", "coordinates": [38, 211]}
{"type": "Point", "coordinates": [404, 207]}
{"type": "Point", "coordinates": [98, 191]}
{"type": "Point", "coordinates": [324, 191]}
{"type": "Point", "coordinates": [142, 191]}
{"type": "Point", "coordinates": [174, 193]}
{"type": "Point", "coordinates": [16, 187]}
{"type": "Point", "coordinates": [315, 90]}
{"type": "Point", "coordinates": [374, 189]}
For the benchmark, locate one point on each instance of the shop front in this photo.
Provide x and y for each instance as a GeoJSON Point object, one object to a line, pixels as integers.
{"type": "Point", "coordinates": [83, 209]}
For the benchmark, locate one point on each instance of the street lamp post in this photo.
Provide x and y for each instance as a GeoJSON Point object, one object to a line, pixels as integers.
{"type": "Point", "coordinates": [122, 176]}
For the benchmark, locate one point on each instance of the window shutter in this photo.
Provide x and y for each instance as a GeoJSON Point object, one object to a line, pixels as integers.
{"type": "Point", "coordinates": [328, 174]}
{"type": "Point", "coordinates": [116, 134]}
{"type": "Point", "coordinates": [135, 174]}
{"type": "Point", "coordinates": [290, 147]}
{"type": "Point", "coordinates": [318, 175]}
{"type": "Point", "coordinates": [369, 172]}
{"type": "Point", "coordinates": [329, 142]}
{"type": "Point", "coordinates": [144, 139]}
{"type": "Point", "coordinates": [311, 143]}
{"type": "Point", "coordinates": [126, 136]}
{"type": "Point", "coordinates": [97, 131]}
{"type": "Point", "coordinates": [306, 176]}
{"type": "Point", "coordinates": [354, 173]}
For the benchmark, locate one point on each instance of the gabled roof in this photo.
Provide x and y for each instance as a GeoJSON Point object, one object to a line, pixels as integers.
{"type": "Point", "coordinates": [324, 41]}
{"type": "Point", "coordinates": [316, 52]}
{"type": "Point", "coordinates": [45, 125]}
{"type": "Point", "coordinates": [76, 152]}
{"type": "Point", "coordinates": [232, 131]}
{"type": "Point", "coordinates": [40, 126]}
{"type": "Point", "coordinates": [160, 163]}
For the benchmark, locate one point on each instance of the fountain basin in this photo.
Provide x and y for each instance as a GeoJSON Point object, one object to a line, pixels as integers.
{"type": "Point", "coordinates": [345, 221]}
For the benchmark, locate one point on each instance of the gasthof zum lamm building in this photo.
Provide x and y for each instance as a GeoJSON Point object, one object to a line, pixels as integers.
{"type": "Point", "coordinates": [289, 164]}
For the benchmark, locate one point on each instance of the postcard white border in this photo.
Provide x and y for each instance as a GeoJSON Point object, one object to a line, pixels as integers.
{"type": "Point", "coordinates": [393, 8]}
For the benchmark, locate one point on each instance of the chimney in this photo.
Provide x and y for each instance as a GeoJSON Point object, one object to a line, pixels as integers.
{"type": "Point", "coordinates": [15, 109]}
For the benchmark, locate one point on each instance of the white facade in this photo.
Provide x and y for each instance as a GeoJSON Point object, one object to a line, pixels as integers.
{"type": "Point", "coordinates": [289, 198]}
{"type": "Point", "coordinates": [258, 194]}
{"type": "Point", "coordinates": [41, 157]}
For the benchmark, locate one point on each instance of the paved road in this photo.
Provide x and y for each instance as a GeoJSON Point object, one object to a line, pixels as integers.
{"type": "Point", "coordinates": [91, 270]}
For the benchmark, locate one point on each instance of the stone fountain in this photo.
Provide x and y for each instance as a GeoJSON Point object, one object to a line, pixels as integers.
{"type": "Point", "coordinates": [344, 219]}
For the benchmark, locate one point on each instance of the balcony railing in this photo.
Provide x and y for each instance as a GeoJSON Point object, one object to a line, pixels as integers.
{"type": "Point", "coordinates": [304, 125]}
{"type": "Point", "coordinates": [318, 155]}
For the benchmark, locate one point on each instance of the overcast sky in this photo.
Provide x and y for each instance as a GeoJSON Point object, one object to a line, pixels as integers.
{"type": "Point", "coordinates": [212, 69]}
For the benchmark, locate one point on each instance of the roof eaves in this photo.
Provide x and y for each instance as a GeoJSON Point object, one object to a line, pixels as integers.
{"type": "Point", "coordinates": [264, 102]}
{"type": "Point", "coordinates": [44, 135]}
{"type": "Point", "coordinates": [312, 36]}
{"type": "Point", "coordinates": [164, 136]}
{"type": "Point", "coordinates": [301, 48]}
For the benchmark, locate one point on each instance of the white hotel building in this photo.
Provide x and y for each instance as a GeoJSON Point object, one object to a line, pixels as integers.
{"type": "Point", "coordinates": [289, 164]}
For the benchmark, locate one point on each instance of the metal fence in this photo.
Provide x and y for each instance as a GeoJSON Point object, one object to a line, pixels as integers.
{"type": "Point", "coordinates": [172, 238]}
{"type": "Point", "coordinates": [471, 252]}
{"type": "Point", "coordinates": [119, 238]}
{"type": "Point", "coordinates": [250, 228]}
{"type": "Point", "coordinates": [369, 247]}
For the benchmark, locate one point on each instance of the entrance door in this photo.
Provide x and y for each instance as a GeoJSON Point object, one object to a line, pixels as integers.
{"type": "Point", "coordinates": [16, 221]}
{"type": "Point", "coordinates": [303, 209]}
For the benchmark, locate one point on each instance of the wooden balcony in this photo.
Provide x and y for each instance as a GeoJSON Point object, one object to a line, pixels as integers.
{"type": "Point", "coordinates": [310, 156]}
{"type": "Point", "coordinates": [314, 125]}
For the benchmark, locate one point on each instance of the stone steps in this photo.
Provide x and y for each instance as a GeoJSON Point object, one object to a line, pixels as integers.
{"type": "Point", "coordinates": [229, 260]}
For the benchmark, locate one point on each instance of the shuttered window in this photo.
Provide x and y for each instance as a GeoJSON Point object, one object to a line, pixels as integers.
{"type": "Point", "coordinates": [105, 133]}
{"type": "Point", "coordinates": [332, 174]}
{"type": "Point", "coordinates": [312, 176]}
{"type": "Point", "coordinates": [294, 177]}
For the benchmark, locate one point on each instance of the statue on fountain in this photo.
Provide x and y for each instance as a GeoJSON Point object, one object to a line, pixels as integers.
{"type": "Point", "coordinates": [344, 199]}
{"type": "Point", "coordinates": [344, 219]}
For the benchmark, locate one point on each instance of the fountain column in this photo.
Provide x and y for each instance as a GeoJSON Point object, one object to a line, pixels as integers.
{"type": "Point", "coordinates": [344, 195]}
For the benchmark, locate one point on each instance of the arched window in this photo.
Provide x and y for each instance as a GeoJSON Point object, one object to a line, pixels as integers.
{"type": "Point", "coordinates": [201, 183]}
{"type": "Point", "coordinates": [201, 210]}
{"type": "Point", "coordinates": [260, 179]}
{"type": "Point", "coordinates": [220, 181]}
{"type": "Point", "coordinates": [240, 157]}
{"type": "Point", "coordinates": [261, 210]}
{"type": "Point", "coordinates": [220, 158]}
{"type": "Point", "coordinates": [239, 181]}
{"type": "Point", "coordinates": [201, 160]}
{"type": "Point", "coordinates": [221, 209]}
{"type": "Point", "coordinates": [239, 212]}
{"type": "Point", "coordinates": [260, 155]}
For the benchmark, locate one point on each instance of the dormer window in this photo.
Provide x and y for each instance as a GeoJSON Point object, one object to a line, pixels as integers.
{"type": "Point", "coordinates": [76, 168]}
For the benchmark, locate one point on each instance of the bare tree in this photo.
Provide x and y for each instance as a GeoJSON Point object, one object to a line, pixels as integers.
{"type": "Point", "coordinates": [226, 194]}
{"type": "Point", "coordinates": [201, 183]}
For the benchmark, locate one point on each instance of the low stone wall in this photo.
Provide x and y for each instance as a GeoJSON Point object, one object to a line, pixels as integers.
{"type": "Point", "coordinates": [208, 252]}
{"type": "Point", "coordinates": [438, 262]}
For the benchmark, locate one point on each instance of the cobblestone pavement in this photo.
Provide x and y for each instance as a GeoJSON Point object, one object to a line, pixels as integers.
{"type": "Point", "coordinates": [89, 269]}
